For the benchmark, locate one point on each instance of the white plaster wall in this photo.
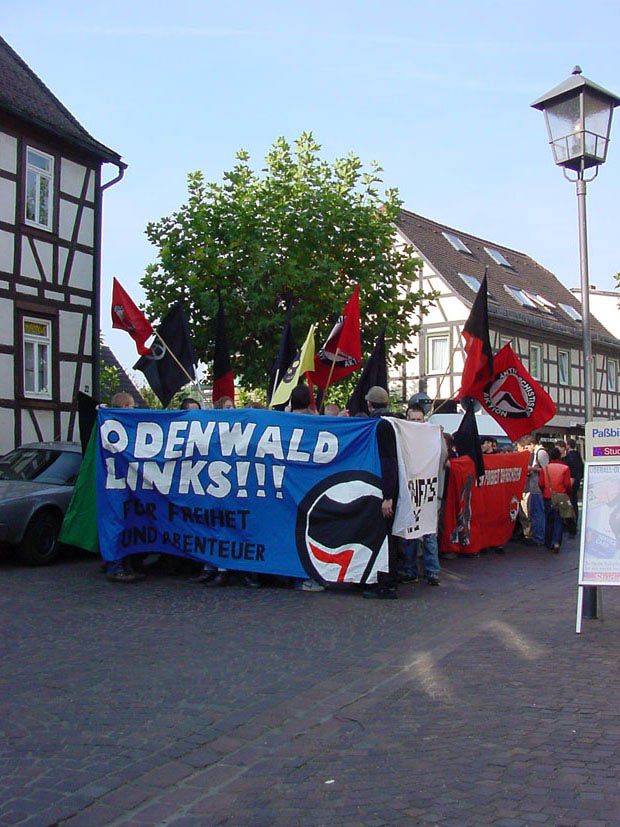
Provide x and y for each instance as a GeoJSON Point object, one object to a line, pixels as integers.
{"type": "Point", "coordinates": [6, 375]}
{"type": "Point", "coordinates": [6, 321]}
{"type": "Point", "coordinates": [46, 257]}
{"type": "Point", "coordinates": [63, 254]}
{"type": "Point", "coordinates": [6, 251]}
{"type": "Point", "coordinates": [8, 152]}
{"type": "Point", "coordinates": [67, 377]}
{"type": "Point", "coordinates": [7, 201]}
{"type": "Point", "coordinates": [70, 325]}
{"type": "Point", "coordinates": [45, 420]}
{"type": "Point", "coordinates": [71, 177]}
{"type": "Point", "coordinates": [90, 191]}
{"type": "Point", "coordinates": [82, 271]}
{"type": "Point", "coordinates": [66, 221]}
{"type": "Point", "coordinates": [7, 430]}
{"type": "Point", "coordinates": [88, 338]}
{"type": "Point", "coordinates": [86, 378]}
{"type": "Point", "coordinates": [29, 267]}
{"type": "Point", "coordinates": [86, 232]}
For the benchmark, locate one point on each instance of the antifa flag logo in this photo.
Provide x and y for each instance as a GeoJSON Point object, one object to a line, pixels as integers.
{"type": "Point", "coordinates": [158, 351]}
{"type": "Point", "coordinates": [510, 395]}
{"type": "Point", "coordinates": [326, 354]}
{"type": "Point", "coordinates": [119, 311]}
{"type": "Point", "coordinates": [341, 534]}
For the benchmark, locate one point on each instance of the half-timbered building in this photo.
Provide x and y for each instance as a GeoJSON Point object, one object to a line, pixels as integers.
{"type": "Point", "coordinates": [528, 307]}
{"type": "Point", "coordinates": [50, 250]}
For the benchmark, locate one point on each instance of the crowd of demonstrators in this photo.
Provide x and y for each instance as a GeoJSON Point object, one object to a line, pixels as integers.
{"type": "Point", "coordinates": [559, 470]}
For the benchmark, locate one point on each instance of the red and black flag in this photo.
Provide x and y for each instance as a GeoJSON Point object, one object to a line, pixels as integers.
{"type": "Point", "coordinates": [127, 316]}
{"type": "Point", "coordinates": [513, 398]}
{"type": "Point", "coordinates": [374, 373]}
{"type": "Point", "coordinates": [286, 354]}
{"type": "Point", "coordinates": [478, 368]}
{"type": "Point", "coordinates": [467, 439]}
{"type": "Point", "coordinates": [342, 352]}
{"type": "Point", "coordinates": [223, 379]}
{"type": "Point", "coordinates": [170, 362]}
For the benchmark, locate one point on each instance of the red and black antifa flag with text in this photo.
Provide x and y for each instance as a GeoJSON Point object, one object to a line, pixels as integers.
{"type": "Point", "coordinates": [342, 352]}
{"type": "Point", "coordinates": [223, 379]}
{"type": "Point", "coordinates": [513, 398]}
{"type": "Point", "coordinates": [162, 371]}
{"type": "Point", "coordinates": [478, 368]}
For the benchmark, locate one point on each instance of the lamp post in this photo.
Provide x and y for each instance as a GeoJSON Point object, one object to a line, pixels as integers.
{"type": "Point", "coordinates": [578, 115]}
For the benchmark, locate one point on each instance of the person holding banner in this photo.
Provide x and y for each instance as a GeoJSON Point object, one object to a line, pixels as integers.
{"type": "Point", "coordinates": [378, 401]}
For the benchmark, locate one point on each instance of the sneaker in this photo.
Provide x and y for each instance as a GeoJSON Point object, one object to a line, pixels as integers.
{"type": "Point", "coordinates": [204, 576]}
{"type": "Point", "coordinates": [381, 593]}
{"type": "Point", "coordinates": [409, 578]}
{"type": "Point", "coordinates": [250, 582]}
{"type": "Point", "coordinates": [432, 581]}
{"type": "Point", "coordinates": [312, 586]}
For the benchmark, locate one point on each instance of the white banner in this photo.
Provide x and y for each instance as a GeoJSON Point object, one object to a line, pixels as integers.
{"type": "Point", "coordinates": [418, 447]}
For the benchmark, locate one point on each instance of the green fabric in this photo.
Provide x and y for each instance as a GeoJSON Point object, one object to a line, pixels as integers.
{"type": "Point", "coordinates": [79, 528]}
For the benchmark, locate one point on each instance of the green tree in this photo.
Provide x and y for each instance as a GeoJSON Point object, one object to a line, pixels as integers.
{"type": "Point", "coordinates": [303, 229]}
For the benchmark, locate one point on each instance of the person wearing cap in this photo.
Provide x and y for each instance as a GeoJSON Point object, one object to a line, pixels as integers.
{"type": "Point", "coordinates": [378, 408]}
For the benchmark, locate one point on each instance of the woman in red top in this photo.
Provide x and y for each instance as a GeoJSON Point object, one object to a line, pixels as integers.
{"type": "Point", "coordinates": [554, 477]}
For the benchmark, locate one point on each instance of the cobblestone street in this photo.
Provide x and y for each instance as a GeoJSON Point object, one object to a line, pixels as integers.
{"type": "Point", "coordinates": [165, 702]}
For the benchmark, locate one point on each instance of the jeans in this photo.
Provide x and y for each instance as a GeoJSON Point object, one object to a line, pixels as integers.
{"type": "Point", "coordinates": [555, 527]}
{"type": "Point", "coordinates": [537, 517]}
{"type": "Point", "coordinates": [430, 552]}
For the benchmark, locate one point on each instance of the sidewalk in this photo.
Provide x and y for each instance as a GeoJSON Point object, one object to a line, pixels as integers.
{"type": "Point", "coordinates": [474, 703]}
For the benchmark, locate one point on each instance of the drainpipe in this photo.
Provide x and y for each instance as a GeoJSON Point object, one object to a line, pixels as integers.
{"type": "Point", "coordinates": [97, 272]}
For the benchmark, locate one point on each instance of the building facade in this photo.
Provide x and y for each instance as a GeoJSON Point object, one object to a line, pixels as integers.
{"type": "Point", "coordinates": [528, 307]}
{"type": "Point", "coordinates": [50, 250]}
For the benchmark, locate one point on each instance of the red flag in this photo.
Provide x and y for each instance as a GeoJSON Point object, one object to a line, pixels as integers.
{"type": "Point", "coordinates": [343, 348]}
{"type": "Point", "coordinates": [478, 368]}
{"type": "Point", "coordinates": [126, 316]}
{"type": "Point", "coordinates": [513, 398]}
{"type": "Point", "coordinates": [223, 379]}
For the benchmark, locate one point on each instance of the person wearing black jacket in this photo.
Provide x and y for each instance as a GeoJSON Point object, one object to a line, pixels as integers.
{"type": "Point", "coordinates": [575, 465]}
{"type": "Point", "coordinates": [378, 401]}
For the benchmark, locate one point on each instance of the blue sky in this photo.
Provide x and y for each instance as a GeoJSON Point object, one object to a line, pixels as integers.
{"type": "Point", "coordinates": [438, 93]}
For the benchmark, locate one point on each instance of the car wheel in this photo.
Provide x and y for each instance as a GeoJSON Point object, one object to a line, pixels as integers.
{"type": "Point", "coordinates": [39, 546]}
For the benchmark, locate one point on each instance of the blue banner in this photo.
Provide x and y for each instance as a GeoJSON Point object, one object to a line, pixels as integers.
{"type": "Point", "coordinates": [252, 490]}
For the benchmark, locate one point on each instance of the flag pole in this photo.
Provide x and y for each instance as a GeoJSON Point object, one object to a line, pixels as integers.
{"type": "Point", "coordinates": [445, 373]}
{"type": "Point", "coordinates": [329, 378]}
{"type": "Point", "coordinates": [192, 381]}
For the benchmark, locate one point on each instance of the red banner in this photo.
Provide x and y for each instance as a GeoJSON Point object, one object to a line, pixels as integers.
{"type": "Point", "coordinates": [483, 516]}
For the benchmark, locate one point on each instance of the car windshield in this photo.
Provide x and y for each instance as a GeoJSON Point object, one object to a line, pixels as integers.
{"type": "Point", "coordinates": [48, 465]}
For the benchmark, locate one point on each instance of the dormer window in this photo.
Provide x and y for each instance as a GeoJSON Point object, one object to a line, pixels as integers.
{"type": "Point", "coordinates": [497, 257]}
{"type": "Point", "coordinates": [456, 242]}
{"type": "Point", "coordinates": [571, 311]}
{"type": "Point", "coordinates": [39, 189]}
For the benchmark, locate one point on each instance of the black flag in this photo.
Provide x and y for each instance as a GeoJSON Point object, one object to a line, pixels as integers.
{"type": "Point", "coordinates": [467, 439]}
{"type": "Point", "coordinates": [478, 367]}
{"type": "Point", "coordinates": [286, 354]}
{"type": "Point", "coordinates": [374, 373]}
{"type": "Point", "coordinates": [87, 416]}
{"type": "Point", "coordinates": [161, 369]}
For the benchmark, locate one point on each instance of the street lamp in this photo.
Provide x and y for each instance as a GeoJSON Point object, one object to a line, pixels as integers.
{"type": "Point", "coordinates": [578, 115]}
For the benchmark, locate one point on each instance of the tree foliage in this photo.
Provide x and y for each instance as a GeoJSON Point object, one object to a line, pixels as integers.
{"type": "Point", "coordinates": [303, 229]}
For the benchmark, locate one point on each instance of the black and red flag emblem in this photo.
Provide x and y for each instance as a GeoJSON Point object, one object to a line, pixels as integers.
{"type": "Point", "coordinates": [223, 379]}
{"type": "Point", "coordinates": [127, 316]}
{"type": "Point", "coordinates": [478, 368]}
{"type": "Point", "coordinates": [342, 352]}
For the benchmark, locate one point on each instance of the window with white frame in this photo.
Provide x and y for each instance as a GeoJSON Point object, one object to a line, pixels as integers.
{"type": "Point", "coordinates": [497, 257]}
{"type": "Point", "coordinates": [37, 343]}
{"type": "Point", "coordinates": [536, 361]}
{"type": "Point", "coordinates": [39, 188]}
{"type": "Point", "coordinates": [612, 374]}
{"type": "Point", "coordinates": [563, 367]}
{"type": "Point", "coordinates": [438, 352]}
{"type": "Point", "coordinates": [571, 311]}
{"type": "Point", "coordinates": [505, 340]}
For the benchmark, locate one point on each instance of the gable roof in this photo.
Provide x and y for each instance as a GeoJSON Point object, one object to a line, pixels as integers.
{"type": "Point", "coordinates": [25, 96]}
{"type": "Point", "coordinates": [125, 384]}
{"type": "Point", "coordinates": [521, 272]}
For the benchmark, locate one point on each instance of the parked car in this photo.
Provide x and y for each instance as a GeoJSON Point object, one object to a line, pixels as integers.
{"type": "Point", "coordinates": [36, 483]}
